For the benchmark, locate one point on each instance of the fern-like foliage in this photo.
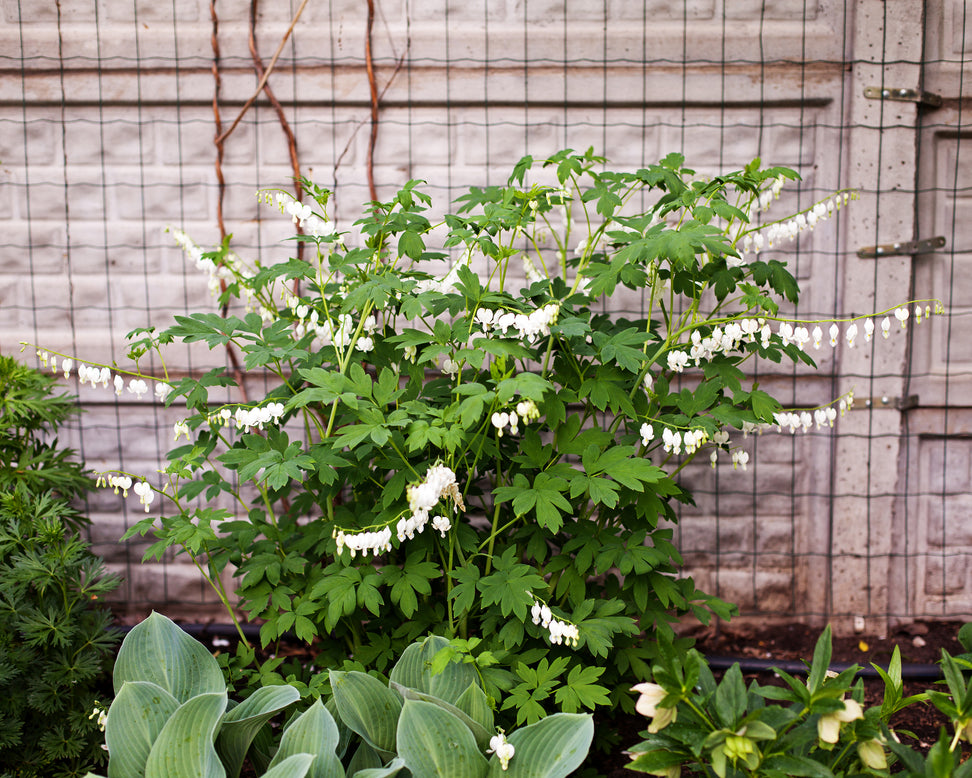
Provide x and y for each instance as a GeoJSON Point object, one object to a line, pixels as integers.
{"type": "Point", "coordinates": [30, 416]}
{"type": "Point", "coordinates": [55, 637]}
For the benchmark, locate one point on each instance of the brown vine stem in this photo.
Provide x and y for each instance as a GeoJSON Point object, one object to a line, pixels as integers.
{"type": "Point", "coordinates": [263, 73]}
{"type": "Point", "coordinates": [373, 87]}
{"type": "Point", "coordinates": [267, 72]}
{"type": "Point", "coordinates": [221, 185]}
{"type": "Point", "coordinates": [217, 83]}
{"type": "Point", "coordinates": [359, 125]}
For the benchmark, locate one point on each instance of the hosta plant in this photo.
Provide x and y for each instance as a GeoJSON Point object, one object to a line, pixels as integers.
{"type": "Point", "coordinates": [172, 718]}
{"type": "Point", "coordinates": [481, 449]}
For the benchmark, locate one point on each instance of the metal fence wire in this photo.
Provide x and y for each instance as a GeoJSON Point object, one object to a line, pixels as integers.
{"type": "Point", "coordinates": [120, 117]}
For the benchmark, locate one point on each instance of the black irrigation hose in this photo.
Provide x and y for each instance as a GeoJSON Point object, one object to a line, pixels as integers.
{"type": "Point", "coordinates": [203, 631]}
{"type": "Point", "coordinates": [910, 671]}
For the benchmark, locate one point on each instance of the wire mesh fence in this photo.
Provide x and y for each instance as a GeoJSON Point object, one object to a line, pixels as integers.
{"type": "Point", "coordinates": [119, 118]}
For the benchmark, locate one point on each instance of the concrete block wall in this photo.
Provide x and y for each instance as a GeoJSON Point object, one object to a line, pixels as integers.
{"type": "Point", "coordinates": [106, 137]}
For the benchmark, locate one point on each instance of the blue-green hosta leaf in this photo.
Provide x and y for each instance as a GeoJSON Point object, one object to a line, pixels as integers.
{"type": "Point", "coordinates": [364, 758]}
{"type": "Point", "coordinates": [474, 703]}
{"type": "Point", "coordinates": [552, 748]}
{"type": "Point", "coordinates": [135, 719]}
{"type": "Point", "coordinates": [368, 707]}
{"type": "Point", "coordinates": [413, 670]}
{"type": "Point", "coordinates": [241, 724]}
{"type": "Point", "coordinates": [313, 732]}
{"type": "Point", "coordinates": [433, 743]}
{"type": "Point", "coordinates": [479, 732]}
{"type": "Point", "coordinates": [156, 650]}
{"type": "Point", "coordinates": [295, 766]}
{"type": "Point", "coordinates": [394, 767]}
{"type": "Point", "coordinates": [184, 747]}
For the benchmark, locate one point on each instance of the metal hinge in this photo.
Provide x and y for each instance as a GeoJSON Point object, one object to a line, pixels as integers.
{"type": "Point", "coordinates": [906, 95]}
{"type": "Point", "coordinates": [898, 403]}
{"type": "Point", "coordinates": [904, 248]}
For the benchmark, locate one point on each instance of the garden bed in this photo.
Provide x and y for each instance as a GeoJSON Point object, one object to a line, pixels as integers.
{"type": "Point", "coordinates": [920, 643]}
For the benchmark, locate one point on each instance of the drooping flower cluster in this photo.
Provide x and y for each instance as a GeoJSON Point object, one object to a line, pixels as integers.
{"type": "Point", "coordinates": [302, 214]}
{"type": "Point", "coordinates": [793, 421]}
{"type": "Point", "coordinates": [528, 326]}
{"type": "Point", "coordinates": [246, 419]}
{"type": "Point", "coordinates": [145, 494]}
{"type": "Point", "coordinates": [115, 482]}
{"type": "Point", "coordinates": [725, 340]}
{"type": "Point", "coordinates": [92, 375]}
{"type": "Point", "coordinates": [250, 418]}
{"type": "Point", "coordinates": [530, 270]}
{"type": "Point", "coordinates": [376, 541]}
{"type": "Point", "coordinates": [722, 340]}
{"type": "Point", "coordinates": [337, 332]}
{"type": "Point", "coordinates": [767, 196]}
{"type": "Point", "coordinates": [503, 749]}
{"type": "Point", "coordinates": [559, 631]}
{"type": "Point", "coordinates": [229, 270]}
{"type": "Point", "coordinates": [440, 482]}
{"type": "Point", "coordinates": [218, 418]}
{"type": "Point", "coordinates": [88, 374]}
{"type": "Point", "coordinates": [828, 725]}
{"type": "Point", "coordinates": [122, 483]}
{"type": "Point", "coordinates": [674, 440]}
{"type": "Point", "coordinates": [526, 411]}
{"type": "Point", "coordinates": [740, 458]}
{"type": "Point", "coordinates": [788, 229]}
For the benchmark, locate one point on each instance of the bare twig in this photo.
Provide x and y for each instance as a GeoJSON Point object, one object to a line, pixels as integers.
{"type": "Point", "coordinates": [221, 186]}
{"type": "Point", "coordinates": [373, 87]}
{"type": "Point", "coordinates": [266, 73]}
{"type": "Point", "coordinates": [381, 96]}
{"type": "Point", "coordinates": [262, 73]}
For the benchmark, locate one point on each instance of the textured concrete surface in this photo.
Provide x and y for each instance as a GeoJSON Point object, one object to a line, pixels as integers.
{"type": "Point", "coordinates": [107, 137]}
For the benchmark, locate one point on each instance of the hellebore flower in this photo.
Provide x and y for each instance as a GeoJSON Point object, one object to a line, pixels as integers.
{"type": "Point", "coordinates": [828, 726]}
{"type": "Point", "coordinates": [651, 695]}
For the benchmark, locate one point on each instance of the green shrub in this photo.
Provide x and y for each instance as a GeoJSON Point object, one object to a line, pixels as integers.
{"type": "Point", "coordinates": [485, 452]}
{"type": "Point", "coordinates": [30, 414]}
{"type": "Point", "coordinates": [54, 638]}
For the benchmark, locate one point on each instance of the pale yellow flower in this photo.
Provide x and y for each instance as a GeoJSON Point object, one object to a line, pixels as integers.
{"type": "Point", "coordinates": [828, 727]}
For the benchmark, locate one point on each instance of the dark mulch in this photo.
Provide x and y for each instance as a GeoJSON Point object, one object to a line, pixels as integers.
{"type": "Point", "coordinates": [919, 643]}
